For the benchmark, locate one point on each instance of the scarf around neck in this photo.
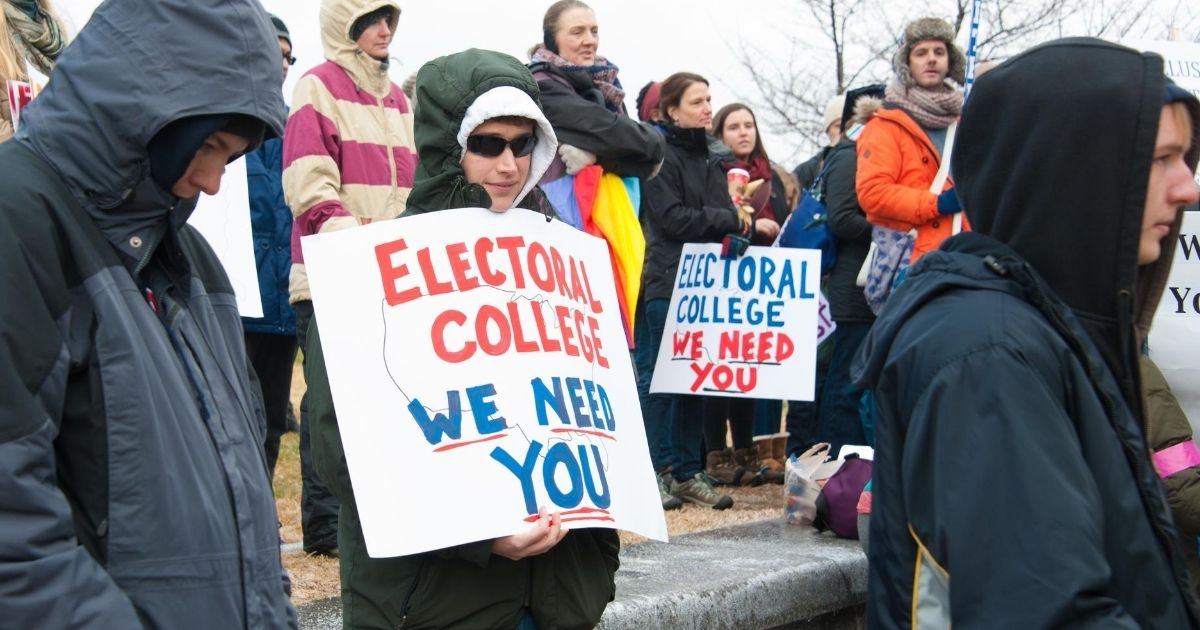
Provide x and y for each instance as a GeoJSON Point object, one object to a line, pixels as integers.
{"type": "Point", "coordinates": [933, 109]}
{"type": "Point", "coordinates": [39, 36]}
{"type": "Point", "coordinates": [603, 74]}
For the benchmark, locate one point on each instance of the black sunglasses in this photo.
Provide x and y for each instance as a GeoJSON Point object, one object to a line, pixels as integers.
{"type": "Point", "coordinates": [491, 146]}
{"type": "Point", "coordinates": [290, 59]}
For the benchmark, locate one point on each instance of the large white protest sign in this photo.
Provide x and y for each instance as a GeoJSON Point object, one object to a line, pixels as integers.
{"type": "Point", "coordinates": [1175, 334]}
{"type": "Point", "coordinates": [224, 220]}
{"type": "Point", "coordinates": [479, 370]}
{"type": "Point", "coordinates": [743, 328]}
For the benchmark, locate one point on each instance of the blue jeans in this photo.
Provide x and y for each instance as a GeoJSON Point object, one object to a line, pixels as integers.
{"type": "Point", "coordinates": [657, 409]}
{"type": "Point", "coordinates": [838, 420]}
{"type": "Point", "coordinates": [674, 422]}
{"type": "Point", "coordinates": [767, 414]}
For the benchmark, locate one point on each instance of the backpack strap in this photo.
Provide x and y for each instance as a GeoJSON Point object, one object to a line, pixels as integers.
{"type": "Point", "coordinates": [943, 174]}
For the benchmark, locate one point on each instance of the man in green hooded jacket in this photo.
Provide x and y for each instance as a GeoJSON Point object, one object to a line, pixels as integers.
{"type": "Point", "coordinates": [483, 142]}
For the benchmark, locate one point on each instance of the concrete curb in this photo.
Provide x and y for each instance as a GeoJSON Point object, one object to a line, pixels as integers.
{"type": "Point", "coordinates": [758, 575]}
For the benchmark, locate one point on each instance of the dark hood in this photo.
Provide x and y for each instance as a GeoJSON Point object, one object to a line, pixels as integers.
{"type": "Point", "coordinates": [1053, 159]}
{"type": "Point", "coordinates": [447, 92]}
{"type": "Point", "coordinates": [134, 68]}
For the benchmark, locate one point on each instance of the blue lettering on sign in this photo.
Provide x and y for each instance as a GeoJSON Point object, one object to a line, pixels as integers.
{"type": "Point", "coordinates": [560, 455]}
{"type": "Point", "coordinates": [483, 409]}
{"type": "Point", "coordinates": [543, 399]}
{"type": "Point", "coordinates": [523, 471]}
{"type": "Point", "coordinates": [589, 403]}
{"type": "Point", "coordinates": [448, 424]}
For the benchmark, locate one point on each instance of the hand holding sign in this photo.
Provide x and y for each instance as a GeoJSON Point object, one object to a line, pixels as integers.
{"type": "Point", "coordinates": [546, 532]}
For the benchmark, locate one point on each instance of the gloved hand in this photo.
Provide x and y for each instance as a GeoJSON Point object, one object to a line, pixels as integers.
{"type": "Point", "coordinates": [575, 159]}
{"type": "Point", "coordinates": [947, 203]}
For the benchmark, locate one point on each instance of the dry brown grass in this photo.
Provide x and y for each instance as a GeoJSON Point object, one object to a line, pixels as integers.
{"type": "Point", "coordinates": [287, 470]}
{"type": "Point", "coordinates": [317, 577]}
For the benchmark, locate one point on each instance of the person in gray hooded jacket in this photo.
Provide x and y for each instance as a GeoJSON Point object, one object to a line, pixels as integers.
{"type": "Point", "coordinates": [133, 487]}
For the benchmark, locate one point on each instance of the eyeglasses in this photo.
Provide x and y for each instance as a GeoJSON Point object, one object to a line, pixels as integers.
{"type": "Point", "coordinates": [491, 146]}
{"type": "Point", "coordinates": [289, 58]}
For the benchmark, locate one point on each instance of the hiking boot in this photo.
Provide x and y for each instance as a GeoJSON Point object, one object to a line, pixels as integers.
{"type": "Point", "coordinates": [719, 466]}
{"type": "Point", "coordinates": [669, 502]}
{"type": "Point", "coordinates": [700, 490]}
{"type": "Point", "coordinates": [772, 469]}
{"type": "Point", "coordinates": [746, 459]}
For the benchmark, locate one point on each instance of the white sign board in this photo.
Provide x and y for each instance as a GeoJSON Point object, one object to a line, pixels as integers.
{"type": "Point", "coordinates": [224, 220]}
{"type": "Point", "coordinates": [745, 327]}
{"type": "Point", "coordinates": [479, 369]}
{"type": "Point", "coordinates": [1175, 333]}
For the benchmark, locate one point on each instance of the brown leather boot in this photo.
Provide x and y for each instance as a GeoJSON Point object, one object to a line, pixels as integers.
{"type": "Point", "coordinates": [719, 466]}
{"type": "Point", "coordinates": [772, 470]}
{"type": "Point", "coordinates": [746, 460]}
{"type": "Point", "coordinates": [779, 448]}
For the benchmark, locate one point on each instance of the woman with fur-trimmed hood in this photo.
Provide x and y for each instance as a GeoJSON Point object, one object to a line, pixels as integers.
{"type": "Point", "coordinates": [483, 142]}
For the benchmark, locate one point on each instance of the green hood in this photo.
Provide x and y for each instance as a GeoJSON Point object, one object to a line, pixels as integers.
{"type": "Point", "coordinates": [449, 107]}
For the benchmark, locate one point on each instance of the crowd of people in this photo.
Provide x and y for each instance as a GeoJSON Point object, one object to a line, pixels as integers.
{"type": "Point", "coordinates": [1024, 443]}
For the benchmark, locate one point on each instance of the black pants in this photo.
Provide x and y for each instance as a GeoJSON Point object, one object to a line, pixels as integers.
{"type": "Point", "coordinates": [318, 507]}
{"type": "Point", "coordinates": [740, 414]}
{"type": "Point", "coordinates": [272, 357]}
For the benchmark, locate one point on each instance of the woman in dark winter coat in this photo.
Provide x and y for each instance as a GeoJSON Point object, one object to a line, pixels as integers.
{"type": "Point", "coordinates": [737, 128]}
{"type": "Point", "coordinates": [1012, 481]}
{"type": "Point", "coordinates": [687, 203]}
{"type": "Point", "coordinates": [490, 155]}
{"type": "Point", "coordinates": [584, 101]}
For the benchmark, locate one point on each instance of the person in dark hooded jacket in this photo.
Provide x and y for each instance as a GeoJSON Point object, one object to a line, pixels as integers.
{"type": "Point", "coordinates": [1012, 480]}
{"type": "Point", "coordinates": [483, 142]}
{"type": "Point", "coordinates": [133, 487]}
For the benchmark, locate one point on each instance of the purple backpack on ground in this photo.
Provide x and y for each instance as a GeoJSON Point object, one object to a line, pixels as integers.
{"type": "Point", "coordinates": [837, 507]}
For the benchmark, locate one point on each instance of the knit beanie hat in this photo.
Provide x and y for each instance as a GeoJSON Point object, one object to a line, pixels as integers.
{"type": "Point", "coordinates": [833, 110]}
{"type": "Point", "coordinates": [281, 29]}
{"type": "Point", "coordinates": [1172, 93]}
{"type": "Point", "coordinates": [647, 100]}
{"type": "Point", "coordinates": [924, 29]}
{"type": "Point", "coordinates": [171, 150]}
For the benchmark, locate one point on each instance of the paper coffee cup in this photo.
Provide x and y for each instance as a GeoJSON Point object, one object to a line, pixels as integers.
{"type": "Point", "coordinates": [738, 176]}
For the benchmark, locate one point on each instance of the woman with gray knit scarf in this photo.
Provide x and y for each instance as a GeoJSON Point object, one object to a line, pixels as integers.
{"type": "Point", "coordinates": [901, 147]}
{"type": "Point", "coordinates": [33, 34]}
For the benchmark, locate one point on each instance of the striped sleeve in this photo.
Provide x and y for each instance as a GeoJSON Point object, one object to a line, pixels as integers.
{"type": "Point", "coordinates": [312, 149]}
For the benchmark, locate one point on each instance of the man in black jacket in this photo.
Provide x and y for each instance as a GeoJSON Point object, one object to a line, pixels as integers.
{"type": "Point", "coordinates": [1012, 483]}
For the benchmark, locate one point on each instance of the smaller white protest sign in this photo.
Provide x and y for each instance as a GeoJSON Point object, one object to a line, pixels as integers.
{"type": "Point", "coordinates": [745, 327]}
{"type": "Point", "coordinates": [479, 369]}
{"type": "Point", "coordinates": [224, 220]}
{"type": "Point", "coordinates": [1175, 334]}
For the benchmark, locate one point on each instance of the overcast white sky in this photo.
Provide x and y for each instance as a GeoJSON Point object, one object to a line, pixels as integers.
{"type": "Point", "coordinates": [648, 39]}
